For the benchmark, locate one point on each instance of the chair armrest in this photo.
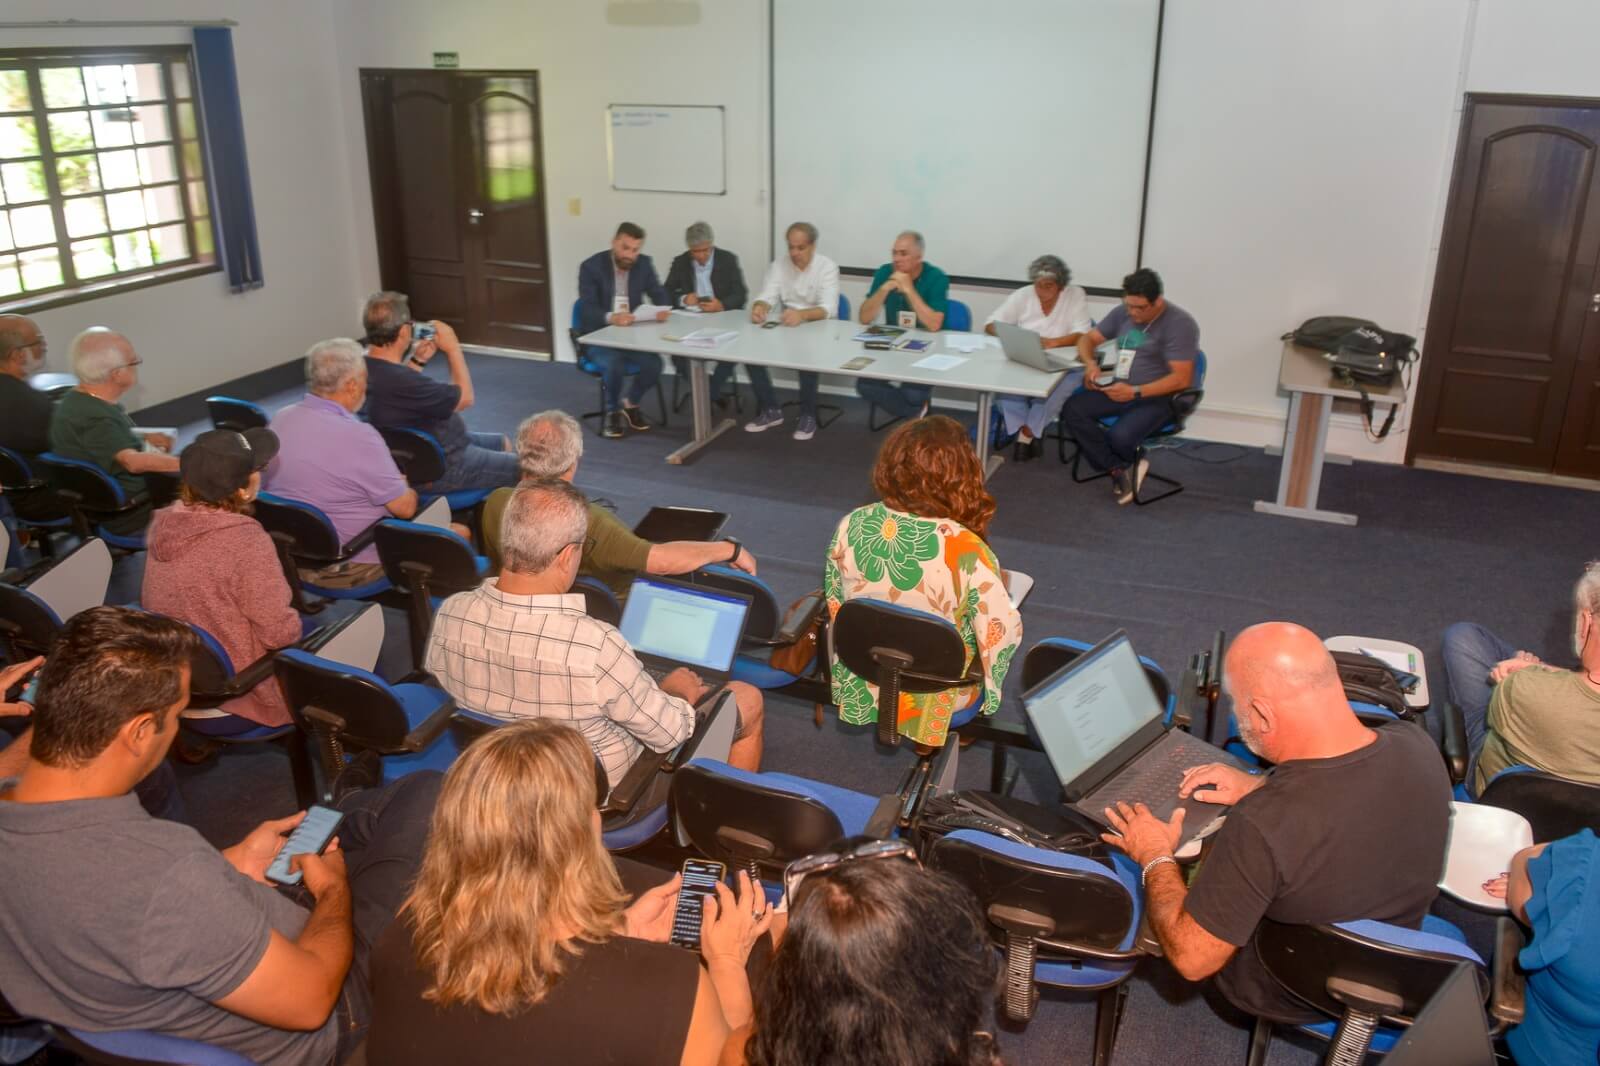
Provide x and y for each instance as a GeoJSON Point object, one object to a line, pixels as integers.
{"type": "Point", "coordinates": [361, 540]}
{"type": "Point", "coordinates": [428, 732]}
{"type": "Point", "coordinates": [1184, 403]}
{"type": "Point", "coordinates": [1072, 947]}
{"type": "Point", "coordinates": [319, 637]}
{"type": "Point", "coordinates": [1453, 741]}
{"type": "Point", "coordinates": [249, 677]}
{"type": "Point", "coordinates": [800, 619]}
{"type": "Point", "coordinates": [884, 817]}
{"type": "Point", "coordinates": [1507, 987]}
{"type": "Point", "coordinates": [627, 792]}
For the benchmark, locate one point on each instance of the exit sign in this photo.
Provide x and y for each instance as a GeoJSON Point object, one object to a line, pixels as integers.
{"type": "Point", "coordinates": [447, 60]}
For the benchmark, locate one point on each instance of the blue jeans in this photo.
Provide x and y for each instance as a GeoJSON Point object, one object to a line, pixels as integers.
{"type": "Point", "coordinates": [482, 464]}
{"type": "Point", "coordinates": [767, 398]}
{"type": "Point", "coordinates": [1019, 411]}
{"type": "Point", "coordinates": [613, 365]}
{"type": "Point", "coordinates": [1470, 652]}
{"type": "Point", "coordinates": [1117, 447]}
{"type": "Point", "coordinates": [902, 401]}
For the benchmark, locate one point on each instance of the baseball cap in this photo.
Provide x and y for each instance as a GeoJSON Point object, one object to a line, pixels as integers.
{"type": "Point", "coordinates": [219, 462]}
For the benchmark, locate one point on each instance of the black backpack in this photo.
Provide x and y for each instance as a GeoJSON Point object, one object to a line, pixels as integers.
{"type": "Point", "coordinates": [1325, 332]}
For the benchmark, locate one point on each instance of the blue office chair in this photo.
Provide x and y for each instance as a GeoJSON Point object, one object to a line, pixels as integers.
{"type": "Point", "coordinates": [426, 563]}
{"type": "Point", "coordinates": [420, 457]}
{"type": "Point", "coordinates": [957, 317]}
{"type": "Point", "coordinates": [1556, 807]}
{"type": "Point", "coordinates": [587, 365]}
{"type": "Point", "coordinates": [1067, 921]}
{"type": "Point", "coordinates": [305, 537]}
{"type": "Point", "coordinates": [92, 496]}
{"type": "Point", "coordinates": [1372, 978]}
{"type": "Point", "coordinates": [765, 627]}
{"type": "Point", "coordinates": [33, 503]}
{"type": "Point", "coordinates": [903, 650]}
{"type": "Point", "coordinates": [238, 415]}
{"type": "Point", "coordinates": [135, 1047]}
{"type": "Point", "coordinates": [1183, 405]}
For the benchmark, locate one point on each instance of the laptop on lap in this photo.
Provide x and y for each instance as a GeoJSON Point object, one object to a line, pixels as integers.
{"type": "Point", "coordinates": [1024, 346]}
{"type": "Point", "coordinates": [671, 623]}
{"type": "Point", "coordinates": [1105, 734]}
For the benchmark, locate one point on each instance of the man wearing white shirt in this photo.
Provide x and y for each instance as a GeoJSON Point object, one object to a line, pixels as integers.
{"type": "Point", "coordinates": [803, 287]}
{"type": "Point", "coordinates": [1058, 312]}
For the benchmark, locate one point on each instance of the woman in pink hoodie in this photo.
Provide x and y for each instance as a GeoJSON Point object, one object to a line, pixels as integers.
{"type": "Point", "coordinates": [210, 564]}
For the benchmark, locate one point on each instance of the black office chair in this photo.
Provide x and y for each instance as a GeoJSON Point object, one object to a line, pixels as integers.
{"type": "Point", "coordinates": [421, 458]}
{"type": "Point", "coordinates": [1183, 405]}
{"type": "Point", "coordinates": [903, 650]}
{"type": "Point", "coordinates": [28, 622]}
{"type": "Point", "coordinates": [305, 537]}
{"type": "Point", "coordinates": [1554, 806]}
{"type": "Point", "coordinates": [238, 415]}
{"type": "Point", "coordinates": [426, 563]}
{"type": "Point", "coordinates": [599, 602]}
{"type": "Point", "coordinates": [1068, 921]}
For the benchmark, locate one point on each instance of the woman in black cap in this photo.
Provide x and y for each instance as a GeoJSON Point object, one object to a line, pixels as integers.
{"type": "Point", "coordinates": [212, 565]}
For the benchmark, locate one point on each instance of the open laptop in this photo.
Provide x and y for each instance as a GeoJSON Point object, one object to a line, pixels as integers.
{"type": "Point", "coordinates": [680, 523]}
{"type": "Point", "coordinates": [671, 623]}
{"type": "Point", "coordinates": [1105, 734]}
{"type": "Point", "coordinates": [1024, 346]}
{"type": "Point", "coordinates": [1450, 1029]}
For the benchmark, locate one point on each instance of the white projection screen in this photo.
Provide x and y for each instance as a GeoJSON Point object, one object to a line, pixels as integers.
{"type": "Point", "coordinates": [1000, 130]}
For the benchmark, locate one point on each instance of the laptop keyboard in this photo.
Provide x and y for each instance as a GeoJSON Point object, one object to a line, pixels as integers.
{"type": "Point", "coordinates": [658, 672]}
{"type": "Point", "coordinates": [1154, 779]}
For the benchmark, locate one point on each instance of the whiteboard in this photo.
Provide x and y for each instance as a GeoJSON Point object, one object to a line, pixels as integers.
{"type": "Point", "coordinates": [665, 148]}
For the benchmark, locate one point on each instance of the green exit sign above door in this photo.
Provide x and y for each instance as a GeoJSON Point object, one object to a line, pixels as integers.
{"type": "Point", "coordinates": [447, 60]}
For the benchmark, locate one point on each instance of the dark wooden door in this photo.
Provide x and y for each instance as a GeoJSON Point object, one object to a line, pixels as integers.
{"type": "Point", "coordinates": [458, 199]}
{"type": "Point", "coordinates": [1511, 364]}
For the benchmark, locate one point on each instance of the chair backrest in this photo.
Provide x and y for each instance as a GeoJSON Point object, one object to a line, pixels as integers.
{"type": "Point", "coordinates": [83, 483]}
{"type": "Point", "coordinates": [416, 452]}
{"type": "Point", "coordinates": [369, 705]}
{"type": "Point", "coordinates": [238, 415]}
{"type": "Point", "coordinates": [599, 602]}
{"type": "Point", "coordinates": [15, 470]}
{"type": "Point", "coordinates": [957, 316]}
{"type": "Point", "coordinates": [1185, 403]}
{"type": "Point", "coordinates": [309, 532]}
{"type": "Point", "coordinates": [1408, 964]}
{"type": "Point", "coordinates": [28, 625]}
{"type": "Point", "coordinates": [210, 666]}
{"type": "Point", "coordinates": [764, 616]}
{"type": "Point", "coordinates": [1052, 653]}
{"type": "Point", "coordinates": [1554, 806]}
{"type": "Point", "coordinates": [844, 308]}
{"type": "Point", "coordinates": [936, 652]}
{"type": "Point", "coordinates": [452, 565]}
{"type": "Point", "coordinates": [741, 818]}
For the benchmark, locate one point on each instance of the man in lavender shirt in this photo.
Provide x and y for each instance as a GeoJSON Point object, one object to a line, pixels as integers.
{"type": "Point", "coordinates": [329, 458]}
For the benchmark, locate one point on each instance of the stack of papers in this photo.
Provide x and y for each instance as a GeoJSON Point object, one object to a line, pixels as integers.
{"type": "Point", "coordinates": [647, 311]}
{"type": "Point", "coordinates": [707, 338]}
{"type": "Point", "coordinates": [968, 342]}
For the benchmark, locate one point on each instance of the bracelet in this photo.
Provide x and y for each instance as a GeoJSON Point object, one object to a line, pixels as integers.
{"type": "Point", "coordinates": [1144, 874]}
{"type": "Point", "coordinates": [737, 548]}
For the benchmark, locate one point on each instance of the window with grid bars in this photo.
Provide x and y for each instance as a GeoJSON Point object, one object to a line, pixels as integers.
{"type": "Point", "coordinates": [101, 170]}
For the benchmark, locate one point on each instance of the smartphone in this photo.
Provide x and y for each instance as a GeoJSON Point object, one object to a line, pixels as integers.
{"type": "Point", "coordinates": [30, 692]}
{"type": "Point", "coordinates": [308, 838]}
{"type": "Point", "coordinates": [420, 331]}
{"type": "Point", "coordinates": [771, 323]}
{"type": "Point", "coordinates": [700, 877]}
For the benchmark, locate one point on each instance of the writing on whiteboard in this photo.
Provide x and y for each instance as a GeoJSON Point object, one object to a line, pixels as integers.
{"type": "Point", "coordinates": [637, 118]}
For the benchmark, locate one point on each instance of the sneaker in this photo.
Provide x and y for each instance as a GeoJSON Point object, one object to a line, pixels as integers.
{"type": "Point", "coordinates": [1121, 485]}
{"type": "Point", "coordinates": [613, 426]}
{"type": "Point", "coordinates": [806, 428]}
{"type": "Point", "coordinates": [635, 418]}
{"type": "Point", "coordinates": [1139, 471]}
{"type": "Point", "coordinates": [772, 416]}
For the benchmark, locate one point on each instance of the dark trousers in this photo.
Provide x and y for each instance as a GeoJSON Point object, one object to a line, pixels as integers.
{"type": "Point", "coordinates": [767, 397]}
{"type": "Point", "coordinates": [902, 401]}
{"type": "Point", "coordinates": [614, 369]}
{"type": "Point", "coordinates": [1117, 447]}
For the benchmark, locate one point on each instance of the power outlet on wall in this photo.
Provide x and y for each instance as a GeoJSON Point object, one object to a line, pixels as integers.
{"type": "Point", "coordinates": [575, 206]}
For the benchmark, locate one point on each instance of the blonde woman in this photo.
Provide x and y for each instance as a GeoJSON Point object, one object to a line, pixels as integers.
{"type": "Point", "coordinates": [517, 943]}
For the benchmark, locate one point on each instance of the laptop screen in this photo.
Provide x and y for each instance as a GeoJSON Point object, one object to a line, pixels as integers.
{"type": "Point", "coordinates": [1092, 705]}
{"type": "Point", "coordinates": [699, 627]}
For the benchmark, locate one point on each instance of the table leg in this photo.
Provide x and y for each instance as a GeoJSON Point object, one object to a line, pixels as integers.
{"type": "Point", "coordinates": [700, 404]}
{"type": "Point", "coordinates": [989, 463]}
{"type": "Point", "coordinates": [1305, 438]}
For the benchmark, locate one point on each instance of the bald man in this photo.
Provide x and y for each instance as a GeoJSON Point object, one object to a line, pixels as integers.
{"type": "Point", "coordinates": [90, 423]}
{"type": "Point", "coordinates": [1349, 823]}
{"type": "Point", "coordinates": [24, 410]}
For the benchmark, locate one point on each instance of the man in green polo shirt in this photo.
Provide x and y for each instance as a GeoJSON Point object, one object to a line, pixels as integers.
{"type": "Point", "coordinates": [549, 444]}
{"type": "Point", "coordinates": [89, 423]}
{"type": "Point", "coordinates": [913, 295]}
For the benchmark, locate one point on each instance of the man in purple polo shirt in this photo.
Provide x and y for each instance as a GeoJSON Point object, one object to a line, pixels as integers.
{"type": "Point", "coordinates": [329, 458]}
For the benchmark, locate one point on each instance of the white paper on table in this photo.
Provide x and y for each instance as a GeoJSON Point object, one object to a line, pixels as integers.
{"type": "Point", "coordinates": [648, 311]}
{"type": "Point", "coordinates": [939, 362]}
{"type": "Point", "coordinates": [968, 342]}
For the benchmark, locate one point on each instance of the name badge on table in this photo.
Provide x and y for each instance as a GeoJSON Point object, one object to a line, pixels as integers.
{"type": "Point", "coordinates": [907, 320]}
{"type": "Point", "coordinates": [1124, 363]}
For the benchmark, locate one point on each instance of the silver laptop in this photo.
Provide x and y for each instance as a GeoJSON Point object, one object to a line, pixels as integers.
{"type": "Point", "coordinates": [1024, 346]}
{"type": "Point", "coordinates": [671, 623]}
{"type": "Point", "coordinates": [1106, 736]}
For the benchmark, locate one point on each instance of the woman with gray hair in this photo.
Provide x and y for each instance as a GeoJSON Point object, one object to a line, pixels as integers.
{"type": "Point", "coordinates": [1058, 312]}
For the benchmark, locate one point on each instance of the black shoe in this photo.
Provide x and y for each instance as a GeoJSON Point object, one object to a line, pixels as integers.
{"type": "Point", "coordinates": [364, 770]}
{"type": "Point", "coordinates": [613, 425]}
{"type": "Point", "coordinates": [635, 419]}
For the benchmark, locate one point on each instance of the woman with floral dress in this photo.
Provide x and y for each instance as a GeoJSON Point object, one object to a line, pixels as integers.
{"type": "Point", "coordinates": [922, 546]}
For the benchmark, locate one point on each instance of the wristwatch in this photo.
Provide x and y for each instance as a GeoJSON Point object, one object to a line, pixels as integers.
{"type": "Point", "coordinates": [1138, 393]}
{"type": "Point", "coordinates": [737, 548]}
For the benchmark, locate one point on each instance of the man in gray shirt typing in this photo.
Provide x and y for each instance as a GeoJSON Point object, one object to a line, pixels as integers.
{"type": "Point", "coordinates": [112, 920]}
{"type": "Point", "coordinates": [1157, 343]}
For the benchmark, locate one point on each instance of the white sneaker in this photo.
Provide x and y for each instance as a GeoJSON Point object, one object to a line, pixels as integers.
{"type": "Point", "coordinates": [1140, 469]}
{"type": "Point", "coordinates": [806, 428]}
{"type": "Point", "coordinates": [765, 420]}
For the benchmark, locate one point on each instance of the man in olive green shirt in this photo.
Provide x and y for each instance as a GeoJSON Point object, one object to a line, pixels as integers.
{"type": "Point", "coordinates": [549, 444]}
{"type": "Point", "coordinates": [89, 423]}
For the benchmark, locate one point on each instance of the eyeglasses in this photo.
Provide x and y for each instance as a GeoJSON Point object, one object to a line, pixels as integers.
{"type": "Point", "coordinates": [587, 542]}
{"type": "Point", "coordinates": [31, 344]}
{"type": "Point", "coordinates": [822, 862]}
{"type": "Point", "coordinates": [130, 366]}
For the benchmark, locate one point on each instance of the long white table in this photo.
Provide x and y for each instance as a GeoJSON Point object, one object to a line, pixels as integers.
{"type": "Point", "coordinates": [824, 347]}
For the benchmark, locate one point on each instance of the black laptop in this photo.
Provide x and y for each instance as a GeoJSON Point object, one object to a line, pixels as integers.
{"type": "Point", "coordinates": [662, 524]}
{"type": "Point", "coordinates": [1450, 1030]}
{"type": "Point", "coordinates": [1106, 736]}
{"type": "Point", "coordinates": [670, 623]}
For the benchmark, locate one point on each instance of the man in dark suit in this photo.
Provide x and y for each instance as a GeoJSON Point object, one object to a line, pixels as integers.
{"type": "Point", "coordinates": [611, 285]}
{"type": "Point", "coordinates": [709, 278]}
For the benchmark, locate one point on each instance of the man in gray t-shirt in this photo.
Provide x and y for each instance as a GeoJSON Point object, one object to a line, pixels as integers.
{"type": "Point", "coordinates": [111, 920]}
{"type": "Point", "coordinates": [1157, 343]}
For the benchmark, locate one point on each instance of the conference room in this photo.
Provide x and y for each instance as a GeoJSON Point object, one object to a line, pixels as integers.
{"type": "Point", "coordinates": [679, 490]}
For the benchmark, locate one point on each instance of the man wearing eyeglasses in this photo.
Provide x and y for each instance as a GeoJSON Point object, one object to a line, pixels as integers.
{"type": "Point", "coordinates": [24, 410]}
{"type": "Point", "coordinates": [90, 423]}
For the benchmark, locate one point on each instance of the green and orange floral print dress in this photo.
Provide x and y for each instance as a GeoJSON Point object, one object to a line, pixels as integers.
{"type": "Point", "coordinates": [927, 564]}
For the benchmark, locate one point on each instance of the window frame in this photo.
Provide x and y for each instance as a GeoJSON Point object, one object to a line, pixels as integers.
{"type": "Point", "coordinates": [31, 61]}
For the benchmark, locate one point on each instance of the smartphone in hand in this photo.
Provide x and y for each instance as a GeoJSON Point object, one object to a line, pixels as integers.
{"type": "Point", "coordinates": [700, 877]}
{"type": "Point", "coordinates": [308, 838]}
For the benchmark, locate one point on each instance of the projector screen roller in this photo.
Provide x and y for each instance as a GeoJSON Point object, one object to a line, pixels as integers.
{"type": "Point", "coordinates": [1000, 131]}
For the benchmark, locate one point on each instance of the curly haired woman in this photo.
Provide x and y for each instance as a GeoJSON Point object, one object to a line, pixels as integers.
{"type": "Point", "coordinates": [923, 546]}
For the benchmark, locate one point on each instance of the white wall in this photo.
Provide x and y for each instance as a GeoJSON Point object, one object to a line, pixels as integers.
{"type": "Point", "coordinates": [194, 334]}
